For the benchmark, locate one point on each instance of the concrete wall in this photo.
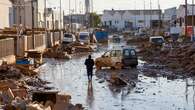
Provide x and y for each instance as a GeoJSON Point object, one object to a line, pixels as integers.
{"type": "Point", "coordinates": [40, 42]}
{"type": "Point", "coordinates": [56, 38]}
{"type": "Point", "coordinates": [16, 46]}
{"type": "Point", "coordinates": [5, 16]}
{"type": "Point", "coordinates": [25, 43]}
{"type": "Point", "coordinates": [7, 52]}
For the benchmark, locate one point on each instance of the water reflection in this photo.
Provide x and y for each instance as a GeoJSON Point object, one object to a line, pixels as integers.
{"type": "Point", "coordinates": [90, 95]}
{"type": "Point", "coordinates": [152, 92]}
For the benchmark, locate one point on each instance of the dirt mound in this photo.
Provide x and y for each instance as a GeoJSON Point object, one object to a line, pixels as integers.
{"type": "Point", "coordinates": [181, 58]}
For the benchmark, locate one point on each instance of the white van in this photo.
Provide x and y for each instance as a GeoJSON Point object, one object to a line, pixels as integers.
{"type": "Point", "coordinates": [69, 38]}
{"type": "Point", "coordinates": [84, 37]}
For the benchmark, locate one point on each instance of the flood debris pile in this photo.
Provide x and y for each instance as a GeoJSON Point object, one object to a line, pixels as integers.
{"type": "Point", "coordinates": [179, 57]}
{"type": "Point", "coordinates": [117, 81]}
{"type": "Point", "coordinates": [77, 47]}
{"type": "Point", "coordinates": [56, 52]}
{"type": "Point", "coordinates": [9, 72]}
{"type": "Point", "coordinates": [65, 51]}
{"type": "Point", "coordinates": [15, 75]}
{"type": "Point", "coordinates": [17, 92]}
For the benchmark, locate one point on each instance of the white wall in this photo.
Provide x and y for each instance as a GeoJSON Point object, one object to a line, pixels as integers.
{"type": "Point", "coordinates": [170, 13]}
{"type": "Point", "coordinates": [181, 11]}
{"type": "Point", "coordinates": [118, 19]}
{"type": "Point", "coordinates": [5, 13]}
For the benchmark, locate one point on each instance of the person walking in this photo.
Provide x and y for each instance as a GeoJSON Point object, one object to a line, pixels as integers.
{"type": "Point", "coordinates": [89, 65]}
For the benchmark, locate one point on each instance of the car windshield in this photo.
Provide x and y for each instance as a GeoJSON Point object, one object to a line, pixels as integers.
{"type": "Point", "coordinates": [116, 40]}
{"type": "Point", "coordinates": [157, 40]}
{"type": "Point", "coordinates": [83, 36]}
{"type": "Point", "coordinates": [68, 36]}
{"type": "Point", "coordinates": [128, 53]}
{"type": "Point", "coordinates": [116, 53]}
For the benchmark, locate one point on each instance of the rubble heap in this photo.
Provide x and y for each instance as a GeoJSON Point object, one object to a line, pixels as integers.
{"type": "Point", "coordinates": [180, 58]}
{"type": "Point", "coordinates": [65, 51]}
{"type": "Point", "coordinates": [56, 52]}
{"type": "Point", "coordinates": [17, 88]}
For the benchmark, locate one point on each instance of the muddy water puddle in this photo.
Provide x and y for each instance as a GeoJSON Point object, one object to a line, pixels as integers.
{"type": "Point", "coordinates": [150, 93]}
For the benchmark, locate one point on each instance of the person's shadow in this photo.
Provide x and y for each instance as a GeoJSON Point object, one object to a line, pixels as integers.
{"type": "Point", "coordinates": [90, 96]}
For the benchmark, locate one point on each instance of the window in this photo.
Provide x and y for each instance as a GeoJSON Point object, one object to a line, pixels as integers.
{"type": "Point", "coordinates": [110, 23]}
{"type": "Point", "coordinates": [140, 21]}
{"type": "Point", "coordinates": [116, 22]}
{"type": "Point", "coordinates": [107, 54]}
{"type": "Point", "coordinates": [126, 53]}
{"type": "Point", "coordinates": [133, 53]}
{"type": "Point", "coordinates": [115, 53]}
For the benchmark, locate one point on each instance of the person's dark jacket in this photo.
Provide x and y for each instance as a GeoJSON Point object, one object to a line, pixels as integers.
{"type": "Point", "coordinates": [89, 64]}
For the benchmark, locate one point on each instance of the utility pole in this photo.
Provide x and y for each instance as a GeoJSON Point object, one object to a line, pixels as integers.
{"type": "Point", "coordinates": [33, 36]}
{"type": "Point", "coordinates": [92, 18]}
{"type": "Point", "coordinates": [135, 16]}
{"type": "Point", "coordinates": [70, 17]}
{"type": "Point", "coordinates": [150, 13]}
{"type": "Point", "coordinates": [186, 15]}
{"type": "Point", "coordinates": [75, 6]}
{"type": "Point", "coordinates": [63, 20]}
{"type": "Point", "coordinates": [60, 14]}
{"type": "Point", "coordinates": [53, 25]}
{"type": "Point", "coordinates": [45, 10]}
{"type": "Point", "coordinates": [193, 39]}
{"type": "Point", "coordinates": [159, 16]}
{"type": "Point", "coordinates": [144, 14]}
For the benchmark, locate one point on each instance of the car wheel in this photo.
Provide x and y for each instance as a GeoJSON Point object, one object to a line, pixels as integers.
{"type": "Point", "coordinates": [134, 66]}
{"type": "Point", "coordinates": [98, 67]}
{"type": "Point", "coordinates": [112, 68]}
{"type": "Point", "coordinates": [118, 65]}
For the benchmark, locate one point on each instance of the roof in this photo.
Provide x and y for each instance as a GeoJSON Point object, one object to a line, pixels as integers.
{"type": "Point", "coordinates": [123, 11]}
{"type": "Point", "coordinates": [84, 33]}
{"type": "Point", "coordinates": [135, 12]}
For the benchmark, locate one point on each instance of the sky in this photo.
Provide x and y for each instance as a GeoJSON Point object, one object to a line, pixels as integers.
{"type": "Point", "coordinates": [100, 5]}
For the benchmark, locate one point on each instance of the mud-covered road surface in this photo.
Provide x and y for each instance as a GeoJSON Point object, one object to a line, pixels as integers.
{"type": "Point", "coordinates": [152, 90]}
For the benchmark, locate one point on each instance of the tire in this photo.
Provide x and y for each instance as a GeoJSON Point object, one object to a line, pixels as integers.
{"type": "Point", "coordinates": [118, 65]}
{"type": "Point", "coordinates": [112, 68]}
{"type": "Point", "coordinates": [133, 66]}
{"type": "Point", "coordinates": [98, 67]}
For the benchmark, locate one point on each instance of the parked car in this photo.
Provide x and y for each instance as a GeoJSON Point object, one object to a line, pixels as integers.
{"type": "Point", "coordinates": [117, 58]}
{"type": "Point", "coordinates": [84, 37]}
{"type": "Point", "coordinates": [116, 39]}
{"type": "Point", "coordinates": [140, 34]}
{"type": "Point", "coordinates": [69, 38]}
{"type": "Point", "coordinates": [157, 41]}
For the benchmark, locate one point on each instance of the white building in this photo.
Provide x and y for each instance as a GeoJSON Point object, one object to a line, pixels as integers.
{"type": "Point", "coordinates": [170, 14]}
{"type": "Point", "coordinates": [181, 14]}
{"type": "Point", "coordinates": [5, 16]}
{"type": "Point", "coordinates": [130, 19]}
{"type": "Point", "coordinates": [22, 14]}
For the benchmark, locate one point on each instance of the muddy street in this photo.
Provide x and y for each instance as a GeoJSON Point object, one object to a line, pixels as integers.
{"type": "Point", "coordinates": [150, 92]}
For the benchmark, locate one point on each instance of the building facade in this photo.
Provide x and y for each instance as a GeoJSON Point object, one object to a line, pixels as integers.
{"type": "Point", "coordinates": [170, 18]}
{"type": "Point", "coordinates": [130, 19]}
{"type": "Point", "coordinates": [5, 13]}
{"type": "Point", "coordinates": [23, 10]}
{"type": "Point", "coordinates": [170, 14]}
{"type": "Point", "coordinates": [181, 15]}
